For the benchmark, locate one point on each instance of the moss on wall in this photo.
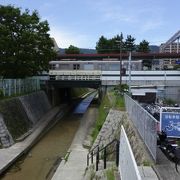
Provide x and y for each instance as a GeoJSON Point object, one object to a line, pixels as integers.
{"type": "Point", "coordinates": [14, 117]}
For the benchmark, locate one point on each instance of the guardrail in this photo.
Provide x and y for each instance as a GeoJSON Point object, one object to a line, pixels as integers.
{"type": "Point", "coordinates": [104, 152]}
{"type": "Point", "coordinates": [19, 86]}
{"type": "Point", "coordinates": [145, 123]}
{"type": "Point", "coordinates": [75, 75]}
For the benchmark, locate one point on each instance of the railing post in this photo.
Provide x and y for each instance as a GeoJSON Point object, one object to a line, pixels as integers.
{"type": "Point", "coordinates": [105, 158]}
{"type": "Point", "coordinates": [92, 157]}
{"type": "Point", "coordinates": [97, 159]}
{"type": "Point", "coordinates": [117, 153]}
{"type": "Point", "coordinates": [87, 159]}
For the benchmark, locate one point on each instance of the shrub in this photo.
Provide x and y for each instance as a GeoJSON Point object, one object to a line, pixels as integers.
{"type": "Point", "coordinates": [1, 93]}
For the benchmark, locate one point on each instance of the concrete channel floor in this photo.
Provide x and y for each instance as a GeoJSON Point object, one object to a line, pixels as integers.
{"type": "Point", "coordinates": [9, 155]}
{"type": "Point", "coordinates": [75, 166]}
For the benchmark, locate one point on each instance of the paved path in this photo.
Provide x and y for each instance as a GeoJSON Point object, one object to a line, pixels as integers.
{"type": "Point", "coordinates": [165, 168]}
{"type": "Point", "coordinates": [75, 166]}
{"type": "Point", "coordinates": [9, 155]}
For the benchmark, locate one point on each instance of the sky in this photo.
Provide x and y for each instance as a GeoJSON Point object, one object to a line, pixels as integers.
{"type": "Point", "coordinates": [82, 22]}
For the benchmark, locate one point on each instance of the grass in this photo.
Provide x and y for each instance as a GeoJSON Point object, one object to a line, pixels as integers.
{"type": "Point", "coordinates": [111, 99]}
{"type": "Point", "coordinates": [119, 102]}
{"type": "Point", "coordinates": [110, 174]}
{"type": "Point", "coordinates": [103, 112]}
{"type": "Point", "coordinates": [16, 95]}
{"type": "Point", "coordinates": [147, 163]}
{"type": "Point", "coordinates": [67, 156]}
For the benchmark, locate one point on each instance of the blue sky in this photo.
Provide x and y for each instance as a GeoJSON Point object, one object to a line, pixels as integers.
{"type": "Point", "coordinates": [82, 22]}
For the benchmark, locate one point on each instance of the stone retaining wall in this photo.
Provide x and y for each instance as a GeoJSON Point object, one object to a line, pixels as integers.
{"type": "Point", "coordinates": [111, 130]}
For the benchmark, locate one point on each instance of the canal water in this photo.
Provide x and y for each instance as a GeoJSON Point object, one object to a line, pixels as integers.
{"type": "Point", "coordinates": [38, 163]}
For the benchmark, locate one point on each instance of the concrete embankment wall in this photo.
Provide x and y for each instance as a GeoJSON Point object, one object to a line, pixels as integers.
{"type": "Point", "coordinates": [20, 114]}
{"type": "Point", "coordinates": [35, 105]}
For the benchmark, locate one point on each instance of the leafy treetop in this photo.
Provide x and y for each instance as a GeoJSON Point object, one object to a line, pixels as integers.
{"type": "Point", "coordinates": [143, 46]}
{"type": "Point", "coordinates": [72, 50]}
{"type": "Point", "coordinates": [25, 45]}
{"type": "Point", "coordinates": [117, 43]}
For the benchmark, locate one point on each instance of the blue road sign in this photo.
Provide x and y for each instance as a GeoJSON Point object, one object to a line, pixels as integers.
{"type": "Point", "coordinates": [170, 123]}
{"type": "Point", "coordinates": [178, 61]}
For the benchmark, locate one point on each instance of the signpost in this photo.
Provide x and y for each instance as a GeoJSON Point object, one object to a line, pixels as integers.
{"type": "Point", "coordinates": [170, 121]}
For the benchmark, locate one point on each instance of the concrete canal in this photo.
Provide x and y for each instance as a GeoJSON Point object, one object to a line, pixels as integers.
{"type": "Point", "coordinates": [38, 163]}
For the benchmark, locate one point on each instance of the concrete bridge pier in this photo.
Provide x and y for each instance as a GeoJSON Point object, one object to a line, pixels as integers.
{"type": "Point", "coordinates": [101, 93]}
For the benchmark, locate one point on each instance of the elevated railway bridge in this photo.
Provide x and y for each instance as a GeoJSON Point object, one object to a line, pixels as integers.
{"type": "Point", "coordinates": [135, 56]}
{"type": "Point", "coordinates": [103, 73]}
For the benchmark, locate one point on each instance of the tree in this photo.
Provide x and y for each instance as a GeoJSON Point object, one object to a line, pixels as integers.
{"type": "Point", "coordinates": [102, 46]}
{"type": "Point", "coordinates": [129, 43]}
{"type": "Point", "coordinates": [143, 47]}
{"type": "Point", "coordinates": [117, 43]}
{"type": "Point", "coordinates": [105, 45]}
{"type": "Point", "coordinates": [25, 45]}
{"type": "Point", "coordinates": [72, 50]}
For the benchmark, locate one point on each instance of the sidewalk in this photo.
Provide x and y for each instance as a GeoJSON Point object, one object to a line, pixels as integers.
{"type": "Point", "coordinates": [9, 155]}
{"type": "Point", "coordinates": [75, 166]}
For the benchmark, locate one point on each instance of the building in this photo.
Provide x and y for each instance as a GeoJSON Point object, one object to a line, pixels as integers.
{"type": "Point", "coordinates": [172, 45]}
{"type": "Point", "coordinates": [56, 48]}
{"type": "Point", "coordinates": [170, 48]}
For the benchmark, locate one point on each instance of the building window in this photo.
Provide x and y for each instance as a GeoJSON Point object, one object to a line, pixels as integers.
{"type": "Point", "coordinates": [114, 67]}
{"type": "Point", "coordinates": [76, 66]}
{"type": "Point", "coordinates": [64, 66]}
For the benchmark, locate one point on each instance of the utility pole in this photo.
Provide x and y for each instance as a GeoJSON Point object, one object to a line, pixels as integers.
{"type": "Point", "coordinates": [129, 69]}
{"type": "Point", "coordinates": [120, 62]}
{"type": "Point", "coordinates": [120, 59]}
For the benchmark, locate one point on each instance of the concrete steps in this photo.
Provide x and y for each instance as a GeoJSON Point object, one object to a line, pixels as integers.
{"type": "Point", "coordinates": [102, 174]}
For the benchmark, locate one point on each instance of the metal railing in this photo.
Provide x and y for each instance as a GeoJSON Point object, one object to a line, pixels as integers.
{"type": "Point", "coordinates": [19, 86]}
{"type": "Point", "coordinates": [103, 153]}
{"type": "Point", "coordinates": [145, 123]}
{"type": "Point", "coordinates": [78, 77]}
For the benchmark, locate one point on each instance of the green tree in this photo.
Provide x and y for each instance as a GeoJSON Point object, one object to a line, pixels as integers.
{"type": "Point", "coordinates": [129, 43]}
{"type": "Point", "coordinates": [25, 45]}
{"type": "Point", "coordinates": [143, 47]}
{"type": "Point", "coordinates": [72, 50]}
{"type": "Point", "coordinates": [102, 46]}
{"type": "Point", "coordinates": [117, 43]}
{"type": "Point", "coordinates": [105, 45]}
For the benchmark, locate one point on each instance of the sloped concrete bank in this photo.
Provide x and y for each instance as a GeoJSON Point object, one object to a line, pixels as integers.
{"type": "Point", "coordinates": [9, 155]}
{"type": "Point", "coordinates": [24, 119]}
{"type": "Point", "coordinates": [20, 114]}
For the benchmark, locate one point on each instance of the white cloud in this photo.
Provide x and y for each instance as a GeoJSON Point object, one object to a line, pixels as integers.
{"type": "Point", "coordinates": [151, 25]}
{"type": "Point", "coordinates": [65, 38]}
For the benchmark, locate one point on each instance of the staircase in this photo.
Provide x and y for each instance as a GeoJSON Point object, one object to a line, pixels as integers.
{"type": "Point", "coordinates": [102, 162]}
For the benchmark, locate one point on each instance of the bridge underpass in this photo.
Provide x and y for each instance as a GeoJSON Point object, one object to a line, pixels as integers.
{"type": "Point", "coordinates": [59, 91]}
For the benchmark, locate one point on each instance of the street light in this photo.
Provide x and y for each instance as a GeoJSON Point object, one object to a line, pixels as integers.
{"type": "Point", "coordinates": [120, 61]}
